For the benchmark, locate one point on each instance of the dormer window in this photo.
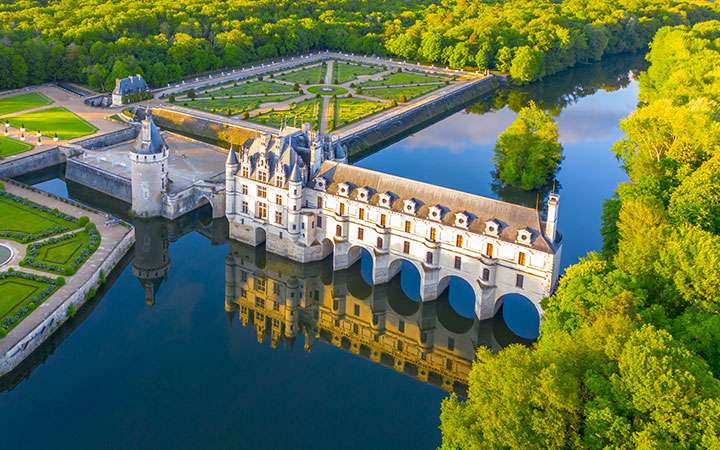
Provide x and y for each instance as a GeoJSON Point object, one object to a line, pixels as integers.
{"type": "Point", "coordinates": [524, 236]}
{"type": "Point", "coordinates": [435, 213]}
{"type": "Point", "coordinates": [320, 183]}
{"type": "Point", "coordinates": [461, 220]}
{"type": "Point", "coordinates": [363, 194]}
{"type": "Point", "coordinates": [385, 200]}
{"type": "Point", "coordinates": [492, 228]}
{"type": "Point", "coordinates": [410, 206]}
{"type": "Point", "coordinates": [344, 189]}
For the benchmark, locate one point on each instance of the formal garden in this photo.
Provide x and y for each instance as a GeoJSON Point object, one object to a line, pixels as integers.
{"type": "Point", "coordinates": [53, 121]}
{"type": "Point", "coordinates": [56, 244]}
{"type": "Point", "coordinates": [299, 95]}
{"type": "Point", "coordinates": [21, 102]}
{"type": "Point", "coordinates": [11, 147]}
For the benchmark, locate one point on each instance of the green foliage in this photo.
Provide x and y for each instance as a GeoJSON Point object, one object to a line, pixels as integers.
{"type": "Point", "coordinates": [629, 350]}
{"type": "Point", "coordinates": [527, 153]}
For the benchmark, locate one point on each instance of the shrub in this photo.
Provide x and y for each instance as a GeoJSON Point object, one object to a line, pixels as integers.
{"type": "Point", "coordinates": [403, 99]}
{"type": "Point", "coordinates": [171, 99]}
{"type": "Point", "coordinates": [245, 115]}
{"type": "Point", "coordinates": [72, 310]}
{"type": "Point", "coordinates": [60, 281]}
{"type": "Point", "coordinates": [83, 221]}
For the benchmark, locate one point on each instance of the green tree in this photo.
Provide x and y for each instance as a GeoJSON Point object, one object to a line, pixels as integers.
{"type": "Point", "coordinates": [526, 65]}
{"type": "Point", "coordinates": [527, 153]}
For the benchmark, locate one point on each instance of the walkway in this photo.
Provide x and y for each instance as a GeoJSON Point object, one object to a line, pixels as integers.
{"type": "Point", "coordinates": [112, 236]}
{"type": "Point", "coordinates": [324, 110]}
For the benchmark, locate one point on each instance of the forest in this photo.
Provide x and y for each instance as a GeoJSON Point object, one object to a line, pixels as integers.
{"type": "Point", "coordinates": [96, 41]}
{"type": "Point", "coordinates": [629, 354]}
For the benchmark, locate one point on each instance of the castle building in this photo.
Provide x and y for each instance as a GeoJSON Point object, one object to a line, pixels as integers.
{"type": "Point", "coordinates": [148, 170]}
{"type": "Point", "coordinates": [127, 88]}
{"type": "Point", "coordinates": [295, 193]}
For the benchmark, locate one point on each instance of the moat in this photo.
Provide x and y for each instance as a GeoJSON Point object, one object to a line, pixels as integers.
{"type": "Point", "coordinates": [186, 372]}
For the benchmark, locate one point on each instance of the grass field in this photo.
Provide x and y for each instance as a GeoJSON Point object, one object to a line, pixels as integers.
{"type": "Point", "coordinates": [405, 78]}
{"type": "Point", "coordinates": [63, 255]}
{"type": "Point", "coordinates": [19, 218]}
{"type": "Point", "coordinates": [58, 120]}
{"type": "Point", "coordinates": [308, 75]}
{"type": "Point", "coordinates": [305, 111]}
{"type": "Point", "coordinates": [344, 72]}
{"type": "Point", "coordinates": [236, 105]}
{"type": "Point", "coordinates": [16, 296]}
{"type": "Point", "coordinates": [348, 110]}
{"type": "Point", "coordinates": [21, 102]}
{"type": "Point", "coordinates": [396, 93]}
{"type": "Point", "coordinates": [253, 87]}
{"type": "Point", "coordinates": [10, 147]}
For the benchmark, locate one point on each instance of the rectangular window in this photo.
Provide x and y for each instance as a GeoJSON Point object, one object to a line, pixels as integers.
{"type": "Point", "coordinates": [245, 189]}
{"type": "Point", "coordinates": [383, 220]}
{"type": "Point", "coordinates": [278, 199]}
{"type": "Point", "coordinates": [486, 274]}
{"type": "Point", "coordinates": [401, 326]}
{"type": "Point", "coordinates": [338, 230]}
{"type": "Point", "coordinates": [489, 250]}
{"type": "Point", "coordinates": [451, 344]}
{"type": "Point", "coordinates": [356, 310]}
{"type": "Point", "coordinates": [521, 258]}
{"type": "Point", "coordinates": [433, 234]}
{"type": "Point", "coordinates": [379, 242]}
{"type": "Point", "coordinates": [361, 213]}
{"type": "Point", "coordinates": [459, 240]}
{"type": "Point", "coordinates": [245, 172]}
{"type": "Point", "coordinates": [360, 233]}
{"type": "Point", "coordinates": [408, 226]}
{"type": "Point", "coordinates": [319, 221]}
{"type": "Point", "coordinates": [260, 284]}
{"type": "Point", "coordinates": [262, 176]}
{"type": "Point", "coordinates": [261, 192]}
{"type": "Point", "coordinates": [429, 257]}
{"type": "Point", "coordinates": [261, 210]}
{"type": "Point", "coordinates": [342, 209]}
{"type": "Point", "coordinates": [406, 247]}
{"type": "Point", "coordinates": [458, 262]}
{"type": "Point", "coordinates": [519, 280]}
{"type": "Point", "coordinates": [278, 217]}
{"type": "Point", "coordinates": [319, 202]}
{"type": "Point", "coordinates": [245, 207]}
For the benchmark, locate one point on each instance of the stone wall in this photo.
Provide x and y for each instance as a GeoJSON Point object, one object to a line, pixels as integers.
{"type": "Point", "coordinates": [201, 128]}
{"type": "Point", "coordinates": [109, 139]}
{"type": "Point", "coordinates": [37, 161]}
{"type": "Point", "coordinates": [393, 127]}
{"type": "Point", "coordinates": [98, 179]}
{"type": "Point", "coordinates": [15, 355]}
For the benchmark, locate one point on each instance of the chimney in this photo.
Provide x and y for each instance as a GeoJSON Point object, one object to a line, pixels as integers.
{"type": "Point", "coordinates": [553, 206]}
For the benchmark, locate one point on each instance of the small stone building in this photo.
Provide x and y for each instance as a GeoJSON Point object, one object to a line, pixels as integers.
{"type": "Point", "coordinates": [129, 89]}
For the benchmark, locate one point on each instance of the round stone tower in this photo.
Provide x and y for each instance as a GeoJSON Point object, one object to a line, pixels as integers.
{"type": "Point", "coordinates": [148, 170]}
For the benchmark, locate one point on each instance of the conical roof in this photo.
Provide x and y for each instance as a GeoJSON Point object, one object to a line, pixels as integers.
{"type": "Point", "coordinates": [149, 141]}
{"type": "Point", "coordinates": [232, 159]}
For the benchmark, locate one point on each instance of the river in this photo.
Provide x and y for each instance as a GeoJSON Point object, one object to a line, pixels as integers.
{"type": "Point", "coordinates": [188, 347]}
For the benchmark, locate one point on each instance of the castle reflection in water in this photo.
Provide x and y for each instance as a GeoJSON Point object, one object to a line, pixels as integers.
{"type": "Point", "coordinates": [285, 301]}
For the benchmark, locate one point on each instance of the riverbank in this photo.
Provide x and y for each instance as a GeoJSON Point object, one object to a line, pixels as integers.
{"type": "Point", "coordinates": [117, 238]}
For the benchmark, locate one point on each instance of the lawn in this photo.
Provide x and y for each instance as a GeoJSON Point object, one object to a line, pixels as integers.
{"type": "Point", "coordinates": [21, 102]}
{"type": "Point", "coordinates": [58, 120]}
{"type": "Point", "coordinates": [22, 222]}
{"type": "Point", "coordinates": [405, 78]}
{"type": "Point", "coordinates": [19, 295]}
{"type": "Point", "coordinates": [348, 110]}
{"type": "Point", "coordinates": [397, 93]}
{"type": "Point", "coordinates": [63, 255]}
{"type": "Point", "coordinates": [344, 72]}
{"type": "Point", "coordinates": [253, 87]}
{"type": "Point", "coordinates": [326, 90]}
{"type": "Point", "coordinates": [236, 105]}
{"type": "Point", "coordinates": [305, 111]}
{"type": "Point", "coordinates": [307, 75]}
{"type": "Point", "coordinates": [10, 147]}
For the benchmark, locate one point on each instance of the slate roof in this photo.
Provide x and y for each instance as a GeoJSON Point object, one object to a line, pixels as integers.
{"type": "Point", "coordinates": [479, 210]}
{"type": "Point", "coordinates": [130, 85]}
{"type": "Point", "coordinates": [149, 140]}
{"type": "Point", "coordinates": [280, 153]}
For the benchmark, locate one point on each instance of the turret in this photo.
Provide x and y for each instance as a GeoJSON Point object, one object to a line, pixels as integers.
{"type": "Point", "coordinates": [295, 197]}
{"type": "Point", "coordinates": [148, 170]}
{"type": "Point", "coordinates": [316, 156]}
{"type": "Point", "coordinates": [231, 168]}
{"type": "Point", "coordinates": [553, 207]}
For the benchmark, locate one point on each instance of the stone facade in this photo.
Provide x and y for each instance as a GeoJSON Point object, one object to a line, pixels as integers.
{"type": "Point", "coordinates": [127, 87]}
{"type": "Point", "coordinates": [304, 203]}
{"type": "Point", "coordinates": [149, 174]}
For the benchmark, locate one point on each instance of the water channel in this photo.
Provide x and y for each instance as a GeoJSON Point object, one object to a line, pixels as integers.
{"type": "Point", "coordinates": [188, 345]}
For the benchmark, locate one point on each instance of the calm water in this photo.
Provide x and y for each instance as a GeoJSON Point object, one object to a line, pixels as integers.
{"type": "Point", "coordinates": [199, 343]}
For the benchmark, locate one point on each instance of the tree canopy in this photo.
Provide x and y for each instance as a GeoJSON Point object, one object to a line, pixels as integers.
{"type": "Point", "coordinates": [527, 153]}
{"type": "Point", "coordinates": [628, 354]}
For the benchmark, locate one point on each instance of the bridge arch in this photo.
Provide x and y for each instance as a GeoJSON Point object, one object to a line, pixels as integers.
{"type": "Point", "coordinates": [462, 294]}
{"type": "Point", "coordinates": [520, 314]}
{"type": "Point", "coordinates": [360, 276]}
{"type": "Point", "coordinates": [410, 275]}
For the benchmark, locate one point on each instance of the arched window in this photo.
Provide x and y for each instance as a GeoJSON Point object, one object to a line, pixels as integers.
{"type": "Point", "coordinates": [338, 230]}
{"type": "Point", "coordinates": [380, 242]}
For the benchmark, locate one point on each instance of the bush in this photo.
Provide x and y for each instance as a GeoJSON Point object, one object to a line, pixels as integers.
{"type": "Point", "coordinates": [403, 99]}
{"type": "Point", "coordinates": [171, 99]}
{"type": "Point", "coordinates": [245, 115]}
{"type": "Point", "coordinates": [60, 281]}
{"type": "Point", "coordinates": [72, 310]}
{"type": "Point", "coordinates": [83, 221]}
